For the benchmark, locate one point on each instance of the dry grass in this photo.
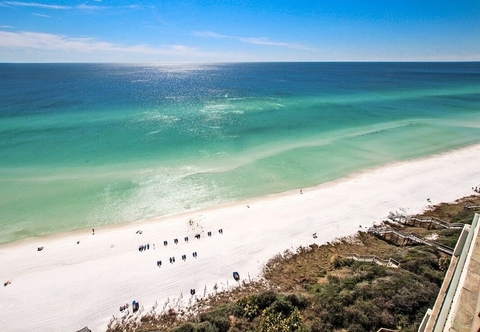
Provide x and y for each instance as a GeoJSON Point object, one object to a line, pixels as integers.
{"type": "Point", "coordinates": [455, 211]}
{"type": "Point", "coordinates": [290, 272]}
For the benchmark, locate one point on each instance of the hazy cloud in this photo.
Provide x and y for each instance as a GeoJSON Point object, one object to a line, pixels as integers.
{"type": "Point", "coordinates": [83, 6]}
{"type": "Point", "coordinates": [51, 42]}
{"type": "Point", "coordinates": [34, 4]}
{"type": "Point", "coordinates": [265, 41]}
{"type": "Point", "coordinates": [252, 40]}
{"type": "Point", "coordinates": [210, 34]}
{"type": "Point", "coordinates": [41, 15]}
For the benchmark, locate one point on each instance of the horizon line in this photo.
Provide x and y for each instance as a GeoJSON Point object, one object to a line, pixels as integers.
{"type": "Point", "coordinates": [243, 62]}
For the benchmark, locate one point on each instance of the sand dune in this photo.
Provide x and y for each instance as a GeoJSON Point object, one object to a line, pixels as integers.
{"type": "Point", "coordinates": [67, 285]}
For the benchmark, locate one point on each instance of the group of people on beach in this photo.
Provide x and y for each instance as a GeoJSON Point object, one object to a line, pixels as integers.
{"type": "Point", "coordinates": [172, 259]}
{"type": "Point", "coordinates": [144, 247]}
{"type": "Point", "coordinates": [476, 189]}
{"type": "Point", "coordinates": [165, 243]}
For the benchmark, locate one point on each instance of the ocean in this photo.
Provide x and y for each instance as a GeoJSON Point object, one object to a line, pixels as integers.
{"type": "Point", "coordinates": [86, 145]}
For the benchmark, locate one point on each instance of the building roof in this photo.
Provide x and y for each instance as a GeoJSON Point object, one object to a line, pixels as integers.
{"type": "Point", "coordinates": [457, 307]}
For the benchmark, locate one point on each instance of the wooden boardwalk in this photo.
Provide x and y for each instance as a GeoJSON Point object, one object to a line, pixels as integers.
{"type": "Point", "coordinates": [472, 207]}
{"type": "Point", "coordinates": [393, 235]}
{"type": "Point", "coordinates": [373, 259]}
{"type": "Point", "coordinates": [428, 223]}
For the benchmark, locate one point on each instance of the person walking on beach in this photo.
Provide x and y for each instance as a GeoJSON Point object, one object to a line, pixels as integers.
{"type": "Point", "coordinates": [93, 231]}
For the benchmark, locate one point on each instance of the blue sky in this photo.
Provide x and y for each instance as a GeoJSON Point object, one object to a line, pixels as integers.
{"type": "Point", "coordinates": [172, 31]}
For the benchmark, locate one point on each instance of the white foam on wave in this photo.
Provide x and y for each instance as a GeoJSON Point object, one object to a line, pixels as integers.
{"type": "Point", "coordinates": [156, 117]}
{"type": "Point", "coordinates": [156, 192]}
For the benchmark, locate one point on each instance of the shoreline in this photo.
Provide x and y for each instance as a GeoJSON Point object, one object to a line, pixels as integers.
{"type": "Point", "coordinates": [84, 284]}
{"type": "Point", "coordinates": [81, 231]}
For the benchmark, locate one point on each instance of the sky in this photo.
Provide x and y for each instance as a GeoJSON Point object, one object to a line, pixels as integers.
{"type": "Point", "coordinates": [181, 31]}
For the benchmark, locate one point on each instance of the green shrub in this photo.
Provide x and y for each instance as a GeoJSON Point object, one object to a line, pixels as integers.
{"type": "Point", "coordinates": [205, 327]}
{"type": "Point", "coordinates": [350, 283]}
{"type": "Point", "coordinates": [264, 300]}
{"type": "Point", "coordinates": [464, 216]}
{"type": "Point", "coordinates": [315, 288]}
{"type": "Point", "coordinates": [449, 241]}
{"type": "Point", "coordinates": [338, 261]}
{"type": "Point", "coordinates": [251, 311]}
{"type": "Point", "coordinates": [218, 319]}
{"type": "Point", "coordinates": [276, 321]}
{"type": "Point", "coordinates": [356, 328]}
{"type": "Point", "coordinates": [298, 301]}
{"type": "Point", "coordinates": [237, 310]}
{"type": "Point", "coordinates": [427, 266]}
{"type": "Point", "coordinates": [234, 329]}
{"type": "Point", "coordinates": [318, 325]}
{"type": "Point", "coordinates": [186, 327]}
{"type": "Point", "coordinates": [333, 279]}
{"type": "Point", "coordinates": [444, 263]}
{"type": "Point", "coordinates": [283, 306]}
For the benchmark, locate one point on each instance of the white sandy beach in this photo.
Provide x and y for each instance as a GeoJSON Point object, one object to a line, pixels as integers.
{"type": "Point", "coordinates": [67, 286]}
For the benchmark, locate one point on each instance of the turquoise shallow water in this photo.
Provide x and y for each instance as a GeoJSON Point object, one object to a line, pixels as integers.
{"type": "Point", "coordinates": [83, 145]}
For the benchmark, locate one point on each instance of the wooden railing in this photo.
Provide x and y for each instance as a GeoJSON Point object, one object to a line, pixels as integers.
{"type": "Point", "coordinates": [471, 207]}
{"type": "Point", "coordinates": [399, 238]}
{"type": "Point", "coordinates": [423, 222]}
{"type": "Point", "coordinates": [373, 259]}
